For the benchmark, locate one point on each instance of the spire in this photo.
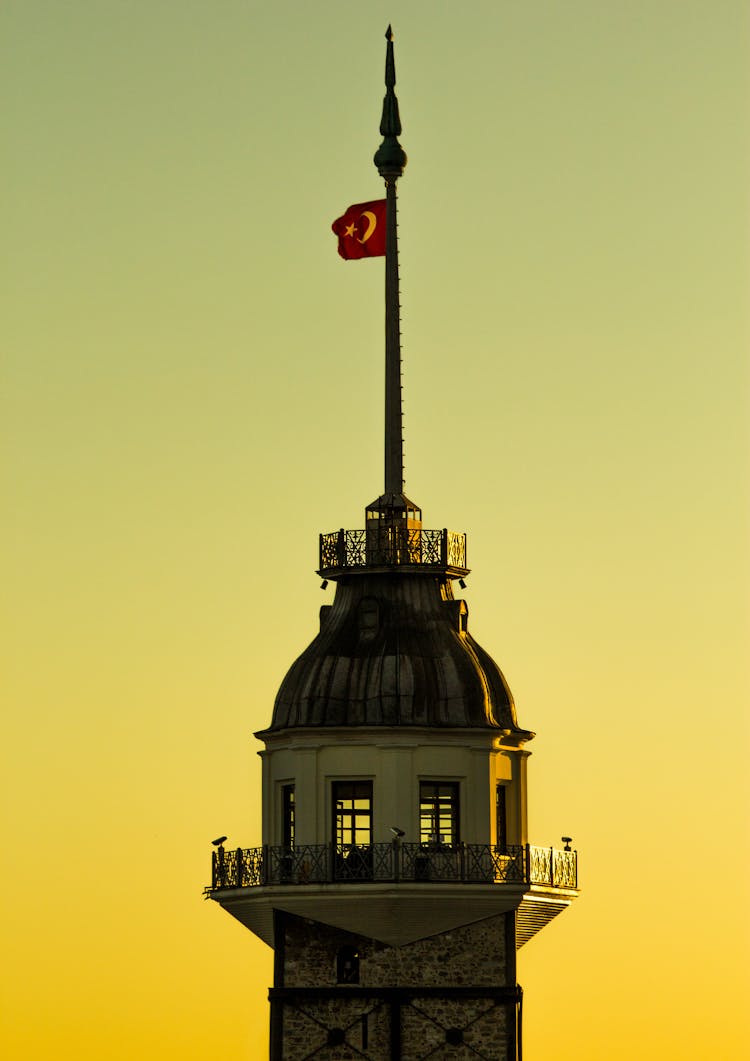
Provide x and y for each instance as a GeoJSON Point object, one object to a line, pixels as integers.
{"type": "Point", "coordinates": [394, 538]}
{"type": "Point", "coordinates": [390, 159]}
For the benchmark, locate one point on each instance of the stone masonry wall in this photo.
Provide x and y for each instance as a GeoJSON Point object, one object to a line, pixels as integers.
{"type": "Point", "coordinates": [469, 955]}
{"type": "Point", "coordinates": [441, 1027]}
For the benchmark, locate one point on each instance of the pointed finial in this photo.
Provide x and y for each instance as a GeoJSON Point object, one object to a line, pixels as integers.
{"type": "Point", "coordinates": [390, 158]}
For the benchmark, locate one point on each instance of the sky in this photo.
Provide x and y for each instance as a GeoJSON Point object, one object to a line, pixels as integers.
{"type": "Point", "coordinates": [192, 392]}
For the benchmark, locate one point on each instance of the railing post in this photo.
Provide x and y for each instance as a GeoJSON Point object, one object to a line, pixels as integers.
{"type": "Point", "coordinates": [528, 864]}
{"type": "Point", "coordinates": [396, 848]}
{"type": "Point", "coordinates": [332, 861]}
{"type": "Point", "coordinates": [341, 548]}
{"type": "Point", "coordinates": [264, 865]}
{"type": "Point", "coordinates": [444, 547]}
{"type": "Point", "coordinates": [214, 873]}
{"type": "Point", "coordinates": [519, 1022]}
{"type": "Point", "coordinates": [462, 861]}
{"type": "Point", "coordinates": [552, 866]}
{"type": "Point", "coordinates": [239, 867]}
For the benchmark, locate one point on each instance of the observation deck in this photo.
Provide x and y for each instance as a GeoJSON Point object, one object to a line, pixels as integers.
{"type": "Point", "coordinates": [356, 863]}
{"type": "Point", "coordinates": [393, 547]}
{"type": "Point", "coordinates": [338, 883]}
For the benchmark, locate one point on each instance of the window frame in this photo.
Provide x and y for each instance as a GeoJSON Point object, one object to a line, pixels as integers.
{"type": "Point", "coordinates": [347, 965]}
{"type": "Point", "coordinates": [348, 823]}
{"type": "Point", "coordinates": [288, 815]}
{"type": "Point", "coordinates": [501, 817]}
{"type": "Point", "coordinates": [432, 809]}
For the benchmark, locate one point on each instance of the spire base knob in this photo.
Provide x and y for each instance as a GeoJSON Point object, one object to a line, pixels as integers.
{"type": "Point", "coordinates": [390, 158]}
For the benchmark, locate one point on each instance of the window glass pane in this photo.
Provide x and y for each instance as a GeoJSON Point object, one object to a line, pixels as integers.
{"type": "Point", "coordinates": [438, 812]}
{"type": "Point", "coordinates": [352, 813]}
{"type": "Point", "coordinates": [347, 965]}
{"type": "Point", "coordinates": [501, 818]}
{"type": "Point", "coordinates": [287, 815]}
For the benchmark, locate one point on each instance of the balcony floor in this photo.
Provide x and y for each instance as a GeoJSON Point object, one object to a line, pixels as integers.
{"type": "Point", "coordinates": [395, 914]}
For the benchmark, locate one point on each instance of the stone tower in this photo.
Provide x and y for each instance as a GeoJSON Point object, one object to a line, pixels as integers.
{"type": "Point", "coordinates": [395, 880]}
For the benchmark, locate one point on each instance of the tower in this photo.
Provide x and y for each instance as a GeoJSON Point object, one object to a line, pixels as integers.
{"type": "Point", "coordinates": [395, 880]}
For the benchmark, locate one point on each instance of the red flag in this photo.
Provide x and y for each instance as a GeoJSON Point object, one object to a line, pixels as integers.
{"type": "Point", "coordinates": [361, 230]}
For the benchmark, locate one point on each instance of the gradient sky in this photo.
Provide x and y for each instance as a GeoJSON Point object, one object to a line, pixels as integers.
{"type": "Point", "coordinates": [192, 391]}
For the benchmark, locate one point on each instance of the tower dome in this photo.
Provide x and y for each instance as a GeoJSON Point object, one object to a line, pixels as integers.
{"type": "Point", "coordinates": [394, 650]}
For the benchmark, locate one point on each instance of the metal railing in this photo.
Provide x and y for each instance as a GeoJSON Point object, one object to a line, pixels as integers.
{"type": "Point", "coordinates": [392, 546]}
{"type": "Point", "coordinates": [393, 862]}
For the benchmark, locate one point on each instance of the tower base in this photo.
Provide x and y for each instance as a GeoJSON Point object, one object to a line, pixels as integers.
{"type": "Point", "coordinates": [342, 996]}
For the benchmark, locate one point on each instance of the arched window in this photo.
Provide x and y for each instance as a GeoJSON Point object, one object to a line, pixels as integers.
{"type": "Point", "coordinates": [347, 965]}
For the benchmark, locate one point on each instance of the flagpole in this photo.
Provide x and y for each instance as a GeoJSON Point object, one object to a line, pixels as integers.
{"type": "Point", "coordinates": [390, 160]}
{"type": "Point", "coordinates": [394, 429]}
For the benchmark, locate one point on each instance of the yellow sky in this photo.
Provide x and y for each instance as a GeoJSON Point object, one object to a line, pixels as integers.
{"type": "Point", "coordinates": [192, 392]}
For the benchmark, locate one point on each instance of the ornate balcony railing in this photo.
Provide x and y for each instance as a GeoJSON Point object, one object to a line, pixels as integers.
{"type": "Point", "coordinates": [549, 866]}
{"type": "Point", "coordinates": [392, 546]}
{"type": "Point", "coordinates": [393, 862]}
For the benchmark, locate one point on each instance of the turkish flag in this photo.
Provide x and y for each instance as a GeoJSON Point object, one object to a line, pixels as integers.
{"type": "Point", "coordinates": [361, 230]}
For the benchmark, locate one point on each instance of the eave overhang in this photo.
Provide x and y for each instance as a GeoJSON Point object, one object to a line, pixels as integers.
{"type": "Point", "coordinates": [395, 914]}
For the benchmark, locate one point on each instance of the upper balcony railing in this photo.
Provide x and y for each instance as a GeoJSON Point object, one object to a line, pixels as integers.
{"type": "Point", "coordinates": [392, 546]}
{"type": "Point", "coordinates": [393, 862]}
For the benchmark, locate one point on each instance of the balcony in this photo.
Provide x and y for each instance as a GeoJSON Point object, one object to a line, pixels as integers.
{"type": "Point", "coordinates": [393, 863]}
{"type": "Point", "coordinates": [392, 546]}
{"type": "Point", "coordinates": [394, 892]}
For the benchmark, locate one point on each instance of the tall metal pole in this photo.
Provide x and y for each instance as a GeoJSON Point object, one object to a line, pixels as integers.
{"type": "Point", "coordinates": [394, 429]}
{"type": "Point", "coordinates": [390, 159]}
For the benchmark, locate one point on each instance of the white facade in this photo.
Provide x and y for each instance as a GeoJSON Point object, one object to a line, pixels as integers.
{"type": "Point", "coordinates": [395, 762]}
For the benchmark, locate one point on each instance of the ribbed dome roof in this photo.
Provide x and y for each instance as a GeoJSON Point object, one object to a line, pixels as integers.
{"type": "Point", "coordinates": [393, 651]}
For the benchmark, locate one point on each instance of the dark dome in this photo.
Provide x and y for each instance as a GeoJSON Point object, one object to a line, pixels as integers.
{"type": "Point", "coordinates": [393, 651]}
